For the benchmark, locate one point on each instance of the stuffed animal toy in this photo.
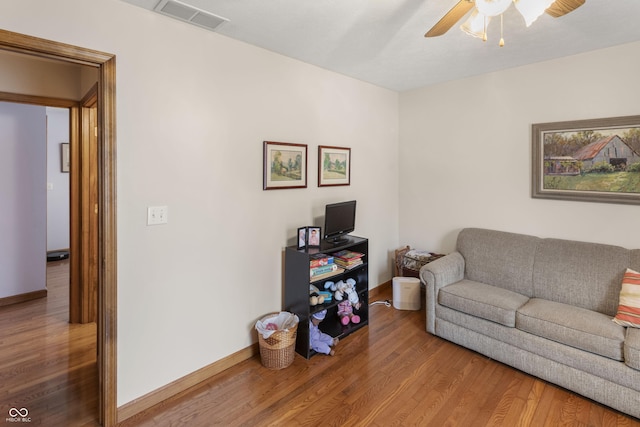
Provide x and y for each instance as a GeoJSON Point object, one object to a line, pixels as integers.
{"type": "Point", "coordinates": [351, 302]}
{"type": "Point", "coordinates": [338, 289]}
{"type": "Point", "coordinates": [330, 286]}
{"type": "Point", "coordinates": [352, 294]}
{"type": "Point", "coordinates": [345, 312]}
{"type": "Point", "coordinates": [315, 297]}
{"type": "Point", "coordinates": [318, 340]}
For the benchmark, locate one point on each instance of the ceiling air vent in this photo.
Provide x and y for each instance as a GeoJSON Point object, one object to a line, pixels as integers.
{"type": "Point", "coordinates": [193, 15]}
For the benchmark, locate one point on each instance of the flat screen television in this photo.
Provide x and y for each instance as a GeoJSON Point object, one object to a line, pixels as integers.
{"type": "Point", "coordinates": [339, 220]}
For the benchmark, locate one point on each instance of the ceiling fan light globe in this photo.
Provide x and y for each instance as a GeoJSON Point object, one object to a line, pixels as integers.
{"type": "Point", "coordinates": [492, 7]}
{"type": "Point", "coordinates": [476, 25]}
{"type": "Point", "coordinates": [532, 9]}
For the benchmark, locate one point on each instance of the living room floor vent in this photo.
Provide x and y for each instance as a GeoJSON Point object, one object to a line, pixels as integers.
{"type": "Point", "coordinates": [187, 13]}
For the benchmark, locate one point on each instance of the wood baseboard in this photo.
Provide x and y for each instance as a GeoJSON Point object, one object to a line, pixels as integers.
{"type": "Point", "coordinates": [381, 288]}
{"type": "Point", "coordinates": [28, 296]}
{"type": "Point", "coordinates": [167, 394]}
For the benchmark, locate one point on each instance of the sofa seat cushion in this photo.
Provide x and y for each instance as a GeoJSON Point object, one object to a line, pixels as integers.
{"type": "Point", "coordinates": [632, 348]}
{"type": "Point", "coordinates": [481, 300]}
{"type": "Point", "coordinates": [574, 326]}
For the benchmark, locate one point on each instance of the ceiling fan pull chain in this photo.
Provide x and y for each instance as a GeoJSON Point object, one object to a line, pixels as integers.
{"type": "Point", "coordinates": [484, 33]}
{"type": "Point", "coordinates": [501, 44]}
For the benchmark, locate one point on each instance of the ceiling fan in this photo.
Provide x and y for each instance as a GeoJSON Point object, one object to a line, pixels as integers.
{"type": "Point", "coordinates": [485, 9]}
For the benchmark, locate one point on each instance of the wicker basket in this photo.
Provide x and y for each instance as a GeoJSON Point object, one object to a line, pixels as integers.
{"type": "Point", "coordinates": [278, 351]}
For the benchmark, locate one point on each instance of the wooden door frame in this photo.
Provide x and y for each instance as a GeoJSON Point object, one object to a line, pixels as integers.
{"type": "Point", "coordinates": [107, 231]}
{"type": "Point", "coordinates": [83, 286]}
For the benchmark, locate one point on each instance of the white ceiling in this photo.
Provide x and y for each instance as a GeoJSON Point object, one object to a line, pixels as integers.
{"type": "Point", "coordinates": [382, 41]}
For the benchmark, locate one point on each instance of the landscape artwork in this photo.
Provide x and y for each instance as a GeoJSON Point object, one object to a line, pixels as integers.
{"type": "Point", "coordinates": [285, 165]}
{"type": "Point", "coordinates": [334, 166]}
{"type": "Point", "coordinates": [588, 160]}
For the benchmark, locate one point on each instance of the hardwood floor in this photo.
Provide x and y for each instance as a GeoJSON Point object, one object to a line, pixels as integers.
{"type": "Point", "coordinates": [47, 365]}
{"type": "Point", "coordinates": [391, 373]}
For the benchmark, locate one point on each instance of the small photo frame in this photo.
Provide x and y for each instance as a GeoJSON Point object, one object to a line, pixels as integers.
{"type": "Point", "coordinates": [64, 157]}
{"type": "Point", "coordinates": [334, 166]}
{"type": "Point", "coordinates": [314, 237]}
{"type": "Point", "coordinates": [302, 237]}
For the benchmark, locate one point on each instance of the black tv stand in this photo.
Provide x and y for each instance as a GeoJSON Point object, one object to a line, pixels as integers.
{"type": "Point", "coordinates": [297, 282]}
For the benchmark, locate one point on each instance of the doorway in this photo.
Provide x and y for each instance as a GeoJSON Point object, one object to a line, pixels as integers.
{"type": "Point", "coordinates": [105, 207]}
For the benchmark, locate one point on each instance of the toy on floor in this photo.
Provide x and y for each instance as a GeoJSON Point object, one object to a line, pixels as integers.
{"type": "Point", "coordinates": [318, 340]}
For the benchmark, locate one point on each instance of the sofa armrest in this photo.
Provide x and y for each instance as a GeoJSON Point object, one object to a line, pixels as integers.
{"type": "Point", "coordinates": [441, 272]}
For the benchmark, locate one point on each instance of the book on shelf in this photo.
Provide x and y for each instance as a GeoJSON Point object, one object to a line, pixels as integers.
{"type": "Point", "coordinates": [323, 276]}
{"type": "Point", "coordinates": [348, 259]}
{"type": "Point", "coordinates": [347, 255]}
{"type": "Point", "coordinates": [318, 260]}
{"type": "Point", "coordinates": [350, 264]}
{"type": "Point", "coordinates": [317, 271]}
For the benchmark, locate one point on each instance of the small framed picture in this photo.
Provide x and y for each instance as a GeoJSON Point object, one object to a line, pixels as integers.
{"type": "Point", "coordinates": [285, 165]}
{"type": "Point", "coordinates": [64, 157]}
{"type": "Point", "coordinates": [334, 166]}
{"type": "Point", "coordinates": [302, 237]}
{"type": "Point", "coordinates": [314, 236]}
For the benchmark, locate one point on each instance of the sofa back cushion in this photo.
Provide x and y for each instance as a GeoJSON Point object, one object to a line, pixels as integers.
{"type": "Point", "coordinates": [587, 275]}
{"type": "Point", "coordinates": [499, 258]}
{"type": "Point", "coordinates": [634, 264]}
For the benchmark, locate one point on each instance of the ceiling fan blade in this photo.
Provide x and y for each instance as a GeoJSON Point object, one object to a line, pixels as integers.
{"type": "Point", "coordinates": [562, 7]}
{"type": "Point", "coordinates": [450, 18]}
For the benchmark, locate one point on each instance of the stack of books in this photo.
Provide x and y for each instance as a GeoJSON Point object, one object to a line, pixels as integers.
{"type": "Point", "coordinates": [348, 259]}
{"type": "Point", "coordinates": [322, 265]}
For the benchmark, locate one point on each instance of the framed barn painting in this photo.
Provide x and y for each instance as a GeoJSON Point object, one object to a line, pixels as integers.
{"type": "Point", "coordinates": [285, 165]}
{"type": "Point", "coordinates": [594, 160]}
{"type": "Point", "coordinates": [334, 166]}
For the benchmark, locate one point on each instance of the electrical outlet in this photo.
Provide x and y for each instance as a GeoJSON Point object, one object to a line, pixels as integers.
{"type": "Point", "coordinates": [157, 215]}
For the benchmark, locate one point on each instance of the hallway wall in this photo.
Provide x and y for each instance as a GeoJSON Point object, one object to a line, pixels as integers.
{"type": "Point", "coordinates": [23, 199]}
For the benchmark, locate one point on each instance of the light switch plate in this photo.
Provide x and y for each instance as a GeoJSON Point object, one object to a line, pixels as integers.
{"type": "Point", "coordinates": [157, 215]}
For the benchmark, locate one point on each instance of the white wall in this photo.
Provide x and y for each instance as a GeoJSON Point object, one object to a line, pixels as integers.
{"type": "Point", "coordinates": [193, 108]}
{"type": "Point", "coordinates": [57, 181]}
{"type": "Point", "coordinates": [23, 200]}
{"type": "Point", "coordinates": [465, 151]}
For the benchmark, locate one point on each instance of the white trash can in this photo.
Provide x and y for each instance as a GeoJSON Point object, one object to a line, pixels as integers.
{"type": "Point", "coordinates": [406, 293]}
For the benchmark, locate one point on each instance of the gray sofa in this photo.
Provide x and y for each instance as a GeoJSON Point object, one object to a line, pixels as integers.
{"type": "Point", "coordinates": [543, 306]}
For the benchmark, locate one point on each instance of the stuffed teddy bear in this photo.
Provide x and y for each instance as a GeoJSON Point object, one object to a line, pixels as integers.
{"type": "Point", "coordinates": [315, 297]}
{"type": "Point", "coordinates": [318, 340]}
